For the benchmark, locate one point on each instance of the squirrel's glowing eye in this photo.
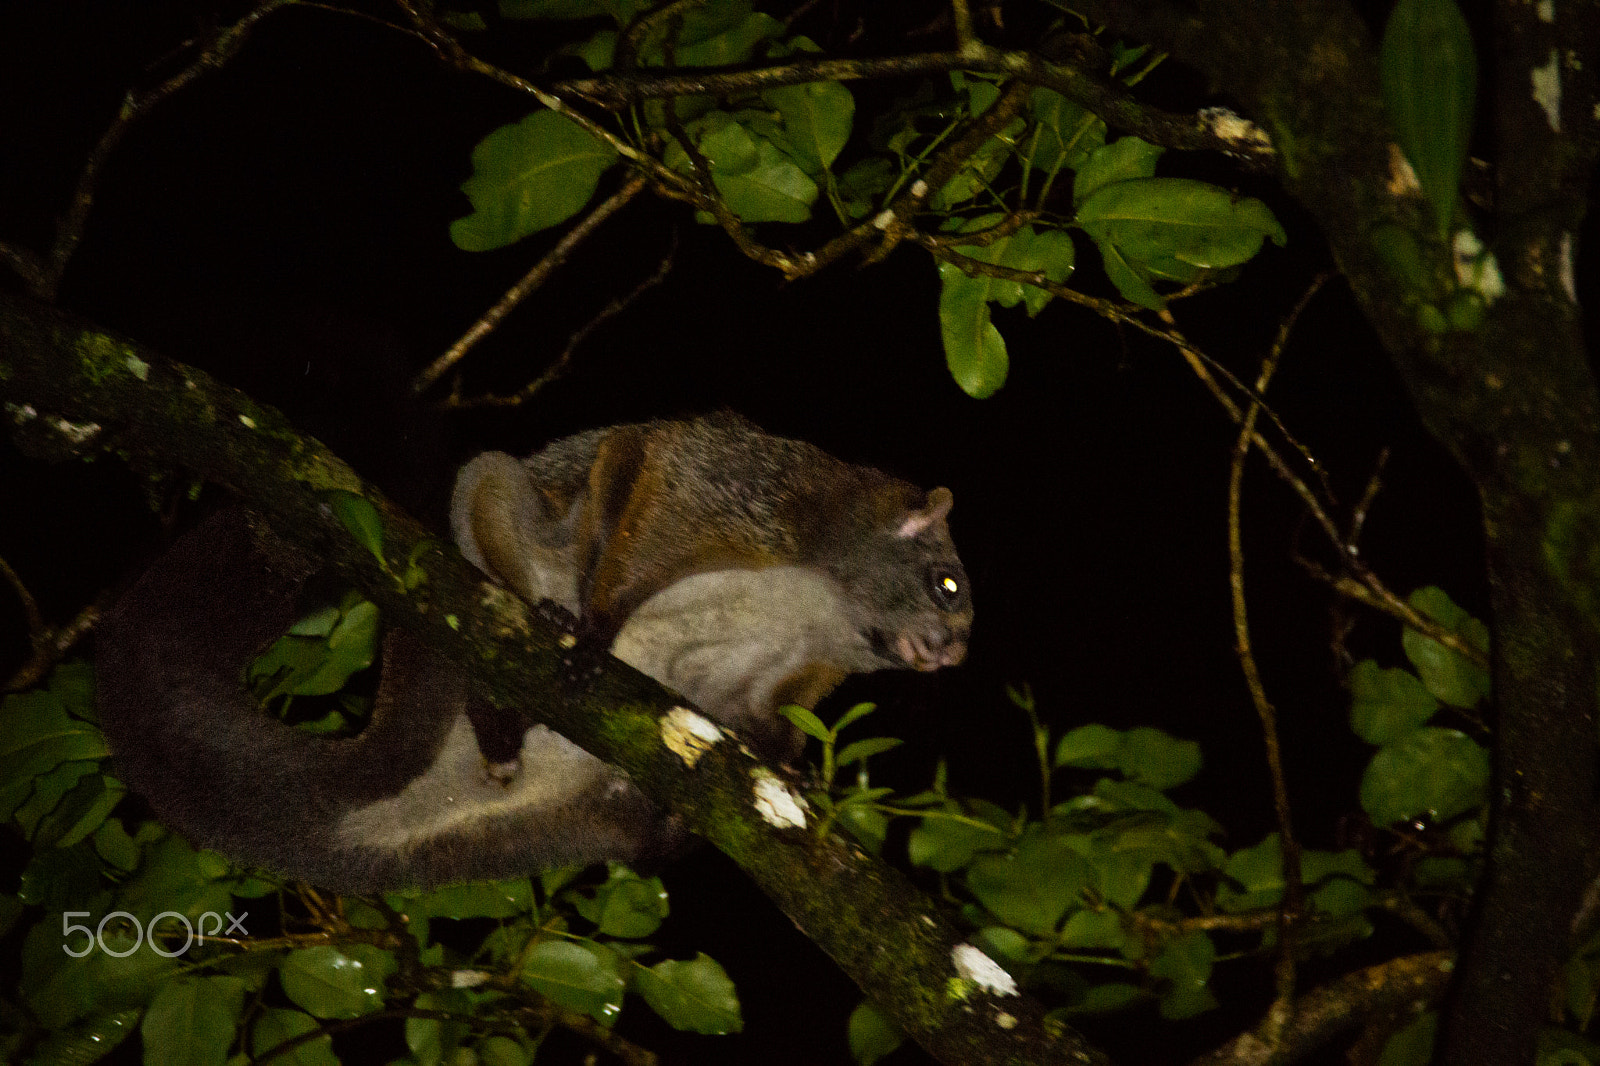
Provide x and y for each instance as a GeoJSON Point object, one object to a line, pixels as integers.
{"type": "Point", "coordinates": [944, 586]}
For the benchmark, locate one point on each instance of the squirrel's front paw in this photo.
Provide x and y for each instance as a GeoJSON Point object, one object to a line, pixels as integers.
{"type": "Point", "coordinates": [558, 616]}
{"type": "Point", "coordinates": [581, 662]}
{"type": "Point", "coordinates": [583, 655]}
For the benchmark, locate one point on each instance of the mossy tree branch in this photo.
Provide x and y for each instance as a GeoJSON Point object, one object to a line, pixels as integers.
{"type": "Point", "coordinates": [69, 388]}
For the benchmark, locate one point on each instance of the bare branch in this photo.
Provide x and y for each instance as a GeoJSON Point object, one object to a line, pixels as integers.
{"type": "Point", "coordinates": [135, 106]}
{"type": "Point", "coordinates": [528, 284]}
{"type": "Point", "coordinates": [1293, 909]}
{"type": "Point", "coordinates": [1212, 130]}
{"type": "Point", "coordinates": [559, 367]}
{"type": "Point", "coordinates": [1402, 987]}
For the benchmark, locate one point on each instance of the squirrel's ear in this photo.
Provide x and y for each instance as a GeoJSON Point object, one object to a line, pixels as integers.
{"type": "Point", "coordinates": [933, 509]}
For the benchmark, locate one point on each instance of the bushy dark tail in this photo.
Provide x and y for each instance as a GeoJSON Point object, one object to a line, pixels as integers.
{"type": "Point", "coordinates": [185, 734]}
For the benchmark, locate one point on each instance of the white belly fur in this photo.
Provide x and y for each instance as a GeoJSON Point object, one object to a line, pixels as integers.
{"type": "Point", "coordinates": [457, 790]}
{"type": "Point", "coordinates": [724, 640]}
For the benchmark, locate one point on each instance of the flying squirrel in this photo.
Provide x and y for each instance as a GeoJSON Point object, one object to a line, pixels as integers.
{"type": "Point", "coordinates": [742, 570]}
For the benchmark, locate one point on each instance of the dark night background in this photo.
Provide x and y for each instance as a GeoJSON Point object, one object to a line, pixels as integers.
{"type": "Point", "coordinates": [284, 225]}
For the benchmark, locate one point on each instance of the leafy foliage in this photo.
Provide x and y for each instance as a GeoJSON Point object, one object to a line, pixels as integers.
{"type": "Point", "coordinates": [122, 922]}
{"type": "Point", "coordinates": [769, 155]}
{"type": "Point", "coordinates": [1101, 902]}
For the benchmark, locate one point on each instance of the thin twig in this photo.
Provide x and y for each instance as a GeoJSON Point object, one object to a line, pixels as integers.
{"type": "Point", "coordinates": [559, 367]}
{"type": "Point", "coordinates": [529, 283]}
{"type": "Point", "coordinates": [47, 645]}
{"type": "Point", "coordinates": [30, 606]}
{"type": "Point", "coordinates": [894, 221]}
{"type": "Point", "coordinates": [1244, 141]}
{"type": "Point", "coordinates": [1418, 919]}
{"type": "Point", "coordinates": [135, 105]}
{"type": "Point", "coordinates": [1358, 517]}
{"type": "Point", "coordinates": [627, 50]}
{"type": "Point", "coordinates": [1293, 908]}
{"type": "Point", "coordinates": [966, 41]}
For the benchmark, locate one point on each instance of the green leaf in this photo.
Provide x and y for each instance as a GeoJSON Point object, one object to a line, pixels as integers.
{"type": "Point", "coordinates": [1093, 931]}
{"type": "Point", "coordinates": [805, 721]}
{"type": "Point", "coordinates": [1131, 280]}
{"type": "Point", "coordinates": [312, 666]}
{"type": "Point", "coordinates": [527, 177]}
{"type": "Point", "coordinates": [694, 996]}
{"type": "Point", "coordinates": [39, 736]}
{"type": "Point", "coordinates": [357, 515]}
{"type": "Point", "coordinates": [1050, 252]}
{"type": "Point", "coordinates": [74, 682]}
{"type": "Point", "coordinates": [1123, 159]}
{"type": "Point", "coordinates": [1120, 875]}
{"type": "Point", "coordinates": [1337, 880]}
{"type": "Point", "coordinates": [973, 349]}
{"type": "Point", "coordinates": [861, 185]}
{"type": "Point", "coordinates": [1387, 704]}
{"type": "Point", "coordinates": [1147, 756]}
{"type": "Point", "coordinates": [116, 845]}
{"type": "Point", "coordinates": [479, 899]}
{"type": "Point", "coordinates": [717, 35]}
{"type": "Point", "coordinates": [1258, 873]}
{"type": "Point", "coordinates": [192, 1020]}
{"type": "Point", "coordinates": [1430, 85]}
{"type": "Point", "coordinates": [1413, 1045]}
{"type": "Point", "coordinates": [1032, 888]}
{"type": "Point", "coordinates": [61, 990]}
{"type": "Point", "coordinates": [867, 824]}
{"type": "Point", "coordinates": [89, 1042]}
{"type": "Point", "coordinates": [981, 92]}
{"type": "Point", "coordinates": [1157, 759]}
{"type": "Point", "coordinates": [1435, 772]}
{"type": "Point", "coordinates": [573, 975]}
{"type": "Point", "coordinates": [328, 983]}
{"type": "Point", "coordinates": [317, 622]}
{"type": "Point", "coordinates": [502, 1051]}
{"type": "Point", "coordinates": [1190, 221]}
{"type": "Point", "coordinates": [1113, 995]}
{"type": "Point", "coordinates": [1186, 962]}
{"type": "Point", "coordinates": [176, 877]}
{"type": "Point", "coordinates": [1132, 796]}
{"type": "Point", "coordinates": [771, 189]}
{"type": "Point", "coordinates": [1090, 746]}
{"type": "Point", "coordinates": [872, 1035]}
{"type": "Point", "coordinates": [1064, 133]}
{"type": "Point", "coordinates": [854, 714]}
{"type": "Point", "coordinates": [630, 906]}
{"type": "Point", "coordinates": [435, 1040]}
{"type": "Point", "coordinates": [866, 748]}
{"type": "Point", "coordinates": [946, 845]}
{"type": "Point", "coordinates": [1449, 676]}
{"type": "Point", "coordinates": [759, 182]}
{"type": "Point", "coordinates": [276, 1026]}
{"type": "Point", "coordinates": [816, 120]}
{"type": "Point", "coordinates": [82, 810]}
{"type": "Point", "coordinates": [48, 791]}
{"type": "Point", "coordinates": [980, 169]}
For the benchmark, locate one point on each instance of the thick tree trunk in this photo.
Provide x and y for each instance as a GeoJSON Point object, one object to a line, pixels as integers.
{"type": "Point", "coordinates": [1514, 400]}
